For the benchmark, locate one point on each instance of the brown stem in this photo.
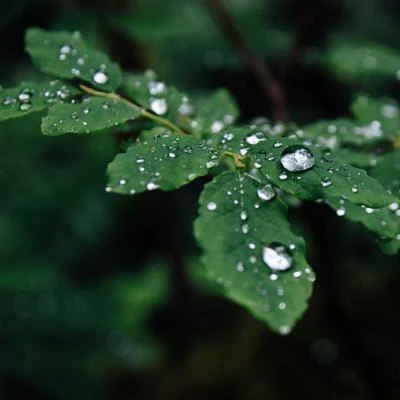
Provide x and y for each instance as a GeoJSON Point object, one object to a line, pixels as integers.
{"type": "Point", "coordinates": [271, 87]}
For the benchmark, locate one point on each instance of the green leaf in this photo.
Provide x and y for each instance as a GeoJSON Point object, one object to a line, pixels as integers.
{"type": "Point", "coordinates": [383, 221]}
{"type": "Point", "coordinates": [383, 114]}
{"type": "Point", "coordinates": [90, 115]}
{"type": "Point", "coordinates": [234, 227]}
{"type": "Point", "coordinates": [216, 112]}
{"type": "Point", "coordinates": [357, 62]}
{"type": "Point", "coordinates": [164, 100]}
{"type": "Point", "coordinates": [31, 97]}
{"type": "Point", "coordinates": [387, 172]}
{"type": "Point", "coordinates": [328, 177]}
{"type": "Point", "coordinates": [66, 55]}
{"type": "Point", "coordinates": [162, 160]}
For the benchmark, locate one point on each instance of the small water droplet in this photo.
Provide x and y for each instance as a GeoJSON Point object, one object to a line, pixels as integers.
{"type": "Point", "coordinates": [217, 126]}
{"type": "Point", "coordinates": [297, 158]}
{"type": "Point", "coordinates": [211, 206]}
{"type": "Point", "coordinates": [245, 229]}
{"type": "Point", "coordinates": [158, 106]}
{"type": "Point", "coordinates": [240, 267]}
{"type": "Point", "coordinates": [283, 176]}
{"type": "Point", "coordinates": [266, 193]}
{"type": "Point", "coordinates": [188, 150]}
{"type": "Point", "coordinates": [156, 87]}
{"type": "Point", "coordinates": [277, 257]}
{"type": "Point", "coordinates": [243, 215]}
{"type": "Point", "coordinates": [341, 211]}
{"type": "Point", "coordinates": [100, 77]}
{"type": "Point", "coordinates": [253, 139]}
{"type": "Point", "coordinates": [152, 186]}
{"type": "Point", "coordinates": [25, 106]}
{"type": "Point", "coordinates": [326, 182]}
{"type": "Point", "coordinates": [284, 330]}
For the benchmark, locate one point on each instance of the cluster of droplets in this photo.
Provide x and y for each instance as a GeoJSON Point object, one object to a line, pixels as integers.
{"type": "Point", "coordinates": [69, 53]}
{"type": "Point", "coordinates": [24, 99]}
{"type": "Point", "coordinates": [146, 174]}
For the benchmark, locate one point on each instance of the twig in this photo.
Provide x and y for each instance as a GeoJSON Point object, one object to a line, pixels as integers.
{"type": "Point", "coordinates": [114, 96]}
{"type": "Point", "coordinates": [271, 88]}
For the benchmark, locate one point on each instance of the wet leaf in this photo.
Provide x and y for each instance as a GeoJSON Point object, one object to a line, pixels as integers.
{"type": "Point", "coordinates": [243, 236]}
{"type": "Point", "coordinates": [160, 159]}
{"type": "Point", "coordinates": [31, 97]}
{"type": "Point", "coordinates": [91, 115]}
{"type": "Point", "coordinates": [67, 55]}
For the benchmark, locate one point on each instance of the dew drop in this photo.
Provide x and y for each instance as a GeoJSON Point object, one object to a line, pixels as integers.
{"type": "Point", "coordinates": [100, 77]}
{"type": "Point", "coordinates": [253, 139]}
{"type": "Point", "coordinates": [25, 106]}
{"type": "Point", "coordinates": [158, 106]}
{"type": "Point", "coordinates": [266, 193]}
{"type": "Point", "coordinates": [152, 186]}
{"type": "Point", "coordinates": [341, 211]}
{"type": "Point", "coordinates": [243, 215]}
{"type": "Point", "coordinates": [326, 182]}
{"type": "Point", "coordinates": [211, 206]}
{"type": "Point", "coordinates": [240, 267]}
{"type": "Point", "coordinates": [283, 176]}
{"type": "Point", "coordinates": [217, 126]}
{"type": "Point", "coordinates": [277, 257]}
{"type": "Point", "coordinates": [297, 158]}
{"type": "Point", "coordinates": [156, 87]}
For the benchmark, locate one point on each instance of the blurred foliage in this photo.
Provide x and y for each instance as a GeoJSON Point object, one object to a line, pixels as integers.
{"type": "Point", "coordinates": [100, 295]}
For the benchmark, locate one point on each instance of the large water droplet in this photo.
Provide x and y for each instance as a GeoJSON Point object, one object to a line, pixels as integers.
{"type": "Point", "coordinates": [277, 257]}
{"type": "Point", "coordinates": [297, 158]}
{"type": "Point", "coordinates": [266, 193]}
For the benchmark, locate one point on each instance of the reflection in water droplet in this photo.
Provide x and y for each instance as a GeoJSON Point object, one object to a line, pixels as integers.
{"type": "Point", "coordinates": [266, 193]}
{"type": "Point", "coordinates": [297, 158]}
{"type": "Point", "coordinates": [277, 257]}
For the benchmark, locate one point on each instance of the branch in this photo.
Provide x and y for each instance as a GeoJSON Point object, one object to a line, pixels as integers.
{"type": "Point", "coordinates": [271, 88]}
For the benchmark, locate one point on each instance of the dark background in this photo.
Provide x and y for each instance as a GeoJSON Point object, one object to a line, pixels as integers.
{"type": "Point", "coordinates": [101, 296]}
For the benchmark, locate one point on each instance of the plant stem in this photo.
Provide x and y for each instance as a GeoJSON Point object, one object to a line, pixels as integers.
{"type": "Point", "coordinates": [236, 157]}
{"type": "Point", "coordinates": [271, 87]}
{"type": "Point", "coordinates": [147, 114]}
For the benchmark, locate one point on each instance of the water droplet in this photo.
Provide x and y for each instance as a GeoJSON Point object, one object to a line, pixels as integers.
{"type": "Point", "coordinates": [283, 176]}
{"type": "Point", "coordinates": [266, 193]}
{"type": "Point", "coordinates": [158, 106]}
{"type": "Point", "coordinates": [152, 186]}
{"type": "Point", "coordinates": [25, 106]}
{"type": "Point", "coordinates": [297, 158]}
{"type": "Point", "coordinates": [211, 206]}
{"type": "Point", "coordinates": [277, 257]}
{"type": "Point", "coordinates": [100, 77]}
{"type": "Point", "coordinates": [341, 211]}
{"type": "Point", "coordinates": [240, 267]}
{"type": "Point", "coordinates": [253, 139]}
{"type": "Point", "coordinates": [65, 49]}
{"type": "Point", "coordinates": [156, 87]}
{"type": "Point", "coordinates": [122, 182]}
{"type": "Point", "coordinates": [217, 126]}
{"type": "Point", "coordinates": [188, 150]}
{"type": "Point", "coordinates": [243, 215]}
{"type": "Point", "coordinates": [252, 246]}
{"type": "Point", "coordinates": [284, 330]}
{"type": "Point", "coordinates": [9, 101]}
{"type": "Point", "coordinates": [393, 206]}
{"type": "Point", "coordinates": [245, 229]}
{"type": "Point", "coordinates": [326, 182]}
{"type": "Point", "coordinates": [282, 306]}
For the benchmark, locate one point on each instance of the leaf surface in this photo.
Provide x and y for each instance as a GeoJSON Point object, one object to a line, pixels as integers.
{"type": "Point", "coordinates": [233, 227]}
